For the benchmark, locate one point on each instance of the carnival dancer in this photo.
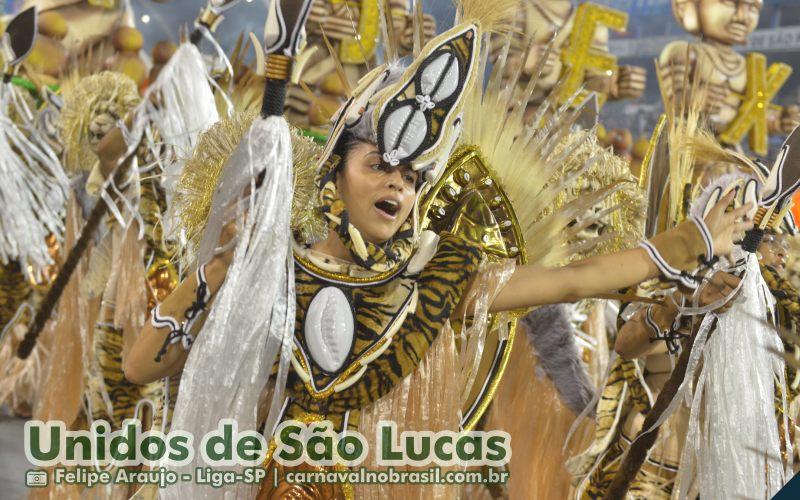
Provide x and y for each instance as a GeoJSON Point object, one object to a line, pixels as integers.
{"type": "Point", "coordinates": [647, 343]}
{"type": "Point", "coordinates": [104, 119]}
{"type": "Point", "coordinates": [355, 313]}
{"type": "Point", "coordinates": [772, 255]}
{"type": "Point", "coordinates": [714, 457]}
{"type": "Point", "coordinates": [683, 156]}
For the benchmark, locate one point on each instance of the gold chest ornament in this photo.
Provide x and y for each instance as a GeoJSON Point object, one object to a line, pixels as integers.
{"type": "Point", "coordinates": [468, 201]}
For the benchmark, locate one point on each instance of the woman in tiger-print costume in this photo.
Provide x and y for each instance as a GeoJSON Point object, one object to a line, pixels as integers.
{"type": "Point", "coordinates": [109, 335]}
{"type": "Point", "coordinates": [773, 254]}
{"type": "Point", "coordinates": [373, 295]}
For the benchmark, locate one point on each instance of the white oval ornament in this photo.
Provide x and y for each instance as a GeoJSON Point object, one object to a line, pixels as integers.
{"type": "Point", "coordinates": [329, 328]}
{"type": "Point", "coordinates": [413, 133]}
{"type": "Point", "coordinates": [440, 78]}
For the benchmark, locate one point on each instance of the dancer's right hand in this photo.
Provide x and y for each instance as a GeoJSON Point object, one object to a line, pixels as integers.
{"type": "Point", "coordinates": [727, 226]}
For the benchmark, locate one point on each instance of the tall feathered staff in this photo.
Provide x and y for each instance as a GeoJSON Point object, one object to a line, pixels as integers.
{"type": "Point", "coordinates": [252, 319]}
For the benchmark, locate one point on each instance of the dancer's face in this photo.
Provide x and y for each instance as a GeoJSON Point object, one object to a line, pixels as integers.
{"type": "Point", "coordinates": [729, 21]}
{"type": "Point", "coordinates": [774, 251]}
{"type": "Point", "coordinates": [378, 197]}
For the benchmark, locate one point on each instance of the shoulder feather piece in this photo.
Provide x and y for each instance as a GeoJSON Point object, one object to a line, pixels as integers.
{"type": "Point", "coordinates": [201, 174]}
{"type": "Point", "coordinates": [557, 159]}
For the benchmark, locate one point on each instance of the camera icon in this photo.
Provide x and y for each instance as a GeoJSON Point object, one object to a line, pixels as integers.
{"type": "Point", "coordinates": [36, 479]}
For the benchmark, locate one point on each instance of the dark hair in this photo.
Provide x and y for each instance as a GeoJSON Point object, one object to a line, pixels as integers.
{"type": "Point", "coordinates": [347, 141]}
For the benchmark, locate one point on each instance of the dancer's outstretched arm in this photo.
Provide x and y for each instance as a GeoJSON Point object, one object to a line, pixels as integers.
{"type": "Point", "coordinates": [680, 247]}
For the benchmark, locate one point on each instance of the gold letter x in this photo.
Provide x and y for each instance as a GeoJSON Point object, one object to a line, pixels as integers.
{"type": "Point", "coordinates": [762, 85]}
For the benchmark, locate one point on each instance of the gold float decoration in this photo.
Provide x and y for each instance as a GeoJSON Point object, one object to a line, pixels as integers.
{"type": "Point", "coordinates": [579, 56]}
{"type": "Point", "coordinates": [762, 86]}
{"type": "Point", "coordinates": [103, 4]}
{"type": "Point", "coordinates": [361, 47]}
{"type": "Point", "coordinates": [467, 201]}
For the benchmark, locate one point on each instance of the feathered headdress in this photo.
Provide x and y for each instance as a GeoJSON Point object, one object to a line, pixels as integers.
{"type": "Point", "coordinates": [92, 106]}
{"type": "Point", "coordinates": [545, 166]}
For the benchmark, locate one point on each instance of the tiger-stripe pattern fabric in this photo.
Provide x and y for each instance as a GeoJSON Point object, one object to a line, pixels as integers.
{"type": "Point", "coordinates": [440, 286]}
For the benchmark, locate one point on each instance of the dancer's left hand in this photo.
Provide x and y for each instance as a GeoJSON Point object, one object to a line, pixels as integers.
{"type": "Point", "coordinates": [727, 227]}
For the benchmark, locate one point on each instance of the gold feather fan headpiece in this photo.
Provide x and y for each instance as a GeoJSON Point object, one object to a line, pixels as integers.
{"type": "Point", "coordinates": [558, 180]}
{"type": "Point", "coordinates": [200, 176]}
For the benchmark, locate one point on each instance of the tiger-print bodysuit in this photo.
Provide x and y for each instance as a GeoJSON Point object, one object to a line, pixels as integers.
{"type": "Point", "coordinates": [108, 342]}
{"type": "Point", "coordinates": [438, 289]}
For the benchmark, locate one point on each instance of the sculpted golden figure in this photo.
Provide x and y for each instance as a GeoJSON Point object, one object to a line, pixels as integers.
{"type": "Point", "coordinates": [352, 28]}
{"type": "Point", "coordinates": [89, 21]}
{"type": "Point", "coordinates": [561, 21]}
{"type": "Point", "coordinates": [739, 88]}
